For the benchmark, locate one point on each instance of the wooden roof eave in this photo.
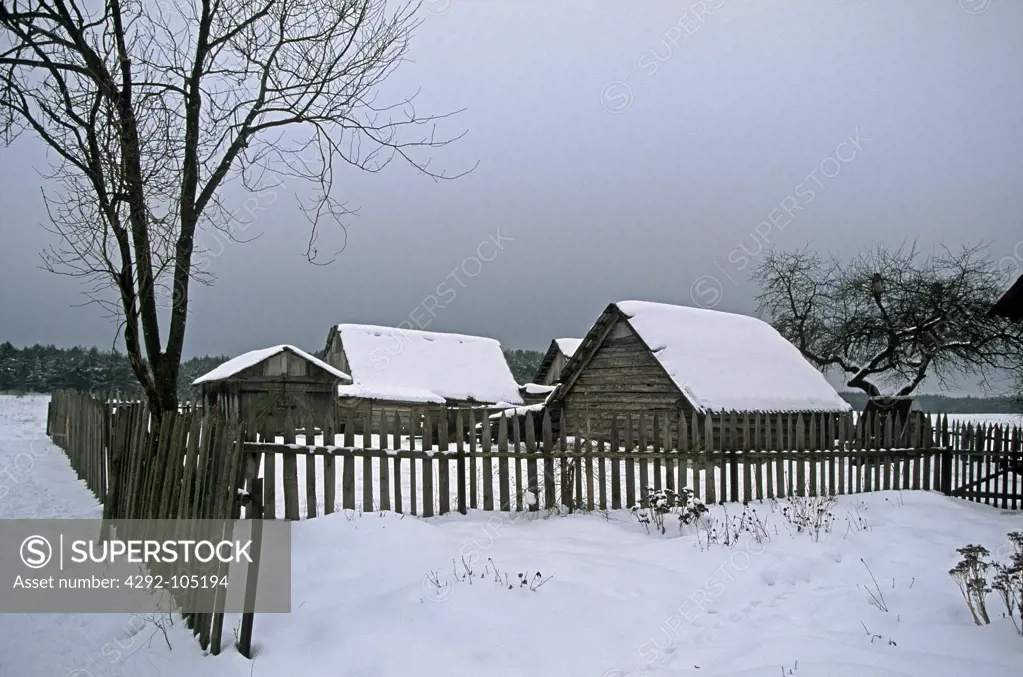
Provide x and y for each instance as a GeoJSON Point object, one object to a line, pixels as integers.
{"type": "Point", "coordinates": [1010, 305]}
{"type": "Point", "coordinates": [355, 401]}
{"type": "Point", "coordinates": [330, 339]}
{"type": "Point", "coordinates": [546, 362]}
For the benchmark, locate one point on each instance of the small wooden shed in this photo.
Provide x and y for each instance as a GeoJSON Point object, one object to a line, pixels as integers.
{"type": "Point", "coordinates": [267, 386]}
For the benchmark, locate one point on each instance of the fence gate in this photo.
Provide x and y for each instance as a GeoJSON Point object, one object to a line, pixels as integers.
{"type": "Point", "coordinates": [986, 466]}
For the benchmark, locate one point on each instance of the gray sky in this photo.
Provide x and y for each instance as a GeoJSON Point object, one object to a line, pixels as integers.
{"type": "Point", "coordinates": [626, 150]}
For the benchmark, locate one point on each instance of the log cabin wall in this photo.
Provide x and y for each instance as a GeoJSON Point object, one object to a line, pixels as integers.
{"type": "Point", "coordinates": [622, 377]}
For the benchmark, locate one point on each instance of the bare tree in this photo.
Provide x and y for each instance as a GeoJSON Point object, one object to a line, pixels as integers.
{"type": "Point", "coordinates": [889, 318]}
{"type": "Point", "coordinates": [151, 107]}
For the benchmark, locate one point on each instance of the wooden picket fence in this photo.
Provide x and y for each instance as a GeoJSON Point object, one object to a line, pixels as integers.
{"type": "Point", "coordinates": [985, 463]}
{"type": "Point", "coordinates": [188, 466]}
{"type": "Point", "coordinates": [319, 467]}
{"type": "Point", "coordinates": [78, 424]}
{"type": "Point", "coordinates": [313, 471]}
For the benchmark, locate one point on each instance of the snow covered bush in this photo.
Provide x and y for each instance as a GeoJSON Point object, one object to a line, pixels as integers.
{"type": "Point", "coordinates": [750, 523]}
{"type": "Point", "coordinates": [1008, 581]}
{"type": "Point", "coordinates": [811, 515]}
{"type": "Point", "coordinates": [661, 503]}
{"type": "Point", "coordinates": [970, 574]}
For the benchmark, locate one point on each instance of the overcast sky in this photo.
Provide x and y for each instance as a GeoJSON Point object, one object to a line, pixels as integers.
{"type": "Point", "coordinates": [626, 150]}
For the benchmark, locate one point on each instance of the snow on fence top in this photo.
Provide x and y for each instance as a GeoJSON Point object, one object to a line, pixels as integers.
{"type": "Point", "coordinates": [568, 346]}
{"type": "Point", "coordinates": [728, 362]}
{"type": "Point", "coordinates": [404, 365]}
{"type": "Point", "coordinates": [254, 357]}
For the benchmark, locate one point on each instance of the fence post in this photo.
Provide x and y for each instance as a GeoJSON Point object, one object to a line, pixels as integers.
{"type": "Point", "coordinates": [733, 462]}
{"type": "Point", "coordinates": [256, 510]}
{"type": "Point", "coordinates": [550, 490]}
{"type": "Point", "coordinates": [946, 471]}
{"type": "Point", "coordinates": [532, 479]}
{"type": "Point", "coordinates": [460, 462]}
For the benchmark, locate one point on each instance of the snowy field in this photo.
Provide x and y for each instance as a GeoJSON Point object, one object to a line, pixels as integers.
{"type": "Point", "coordinates": [378, 596]}
{"type": "Point", "coordinates": [988, 419]}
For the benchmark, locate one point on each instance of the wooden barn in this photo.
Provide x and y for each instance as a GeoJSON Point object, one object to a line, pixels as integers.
{"type": "Point", "coordinates": [267, 385]}
{"type": "Point", "coordinates": [641, 357]}
{"type": "Point", "coordinates": [1010, 306]}
{"type": "Point", "coordinates": [398, 370]}
{"type": "Point", "coordinates": [554, 360]}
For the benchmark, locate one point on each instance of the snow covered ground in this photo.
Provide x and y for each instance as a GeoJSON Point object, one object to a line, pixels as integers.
{"type": "Point", "coordinates": [385, 595]}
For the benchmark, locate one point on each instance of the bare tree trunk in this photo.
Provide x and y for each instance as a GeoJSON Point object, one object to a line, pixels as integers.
{"type": "Point", "coordinates": [150, 108]}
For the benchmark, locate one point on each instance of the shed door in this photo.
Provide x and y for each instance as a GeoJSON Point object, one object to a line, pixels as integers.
{"type": "Point", "coordinates": [278, 407]}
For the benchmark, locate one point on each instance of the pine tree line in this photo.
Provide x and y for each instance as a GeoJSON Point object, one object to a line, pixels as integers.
{"type": "Point", "coordinates": [43, 369]}
{"type": "Point", "coordinates": [523, 363]}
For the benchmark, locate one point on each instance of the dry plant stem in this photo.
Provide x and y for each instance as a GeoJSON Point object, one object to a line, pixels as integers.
{"type": "Point", "coordinates": [878, 598]}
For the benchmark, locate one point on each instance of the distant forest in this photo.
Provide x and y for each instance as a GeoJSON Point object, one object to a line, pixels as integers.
{"type": "Point", "coordinates": [943, 404]}
{"type": "Point", "coordinates": [42, 369]}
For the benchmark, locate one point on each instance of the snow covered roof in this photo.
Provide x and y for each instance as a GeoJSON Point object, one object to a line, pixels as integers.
{"type": "Point", "coordinates": [728, 362]}
{"type": "Point", "coordinates": [403, 365]}
{"type": "Point", "coordinates": [254, 357]}
{"type": "Point", "coordinates": [536, 388]}
{"type": "Point", "coordinates": [536, 408]}
{"type": "Point", "coordinates": [568, 346]}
